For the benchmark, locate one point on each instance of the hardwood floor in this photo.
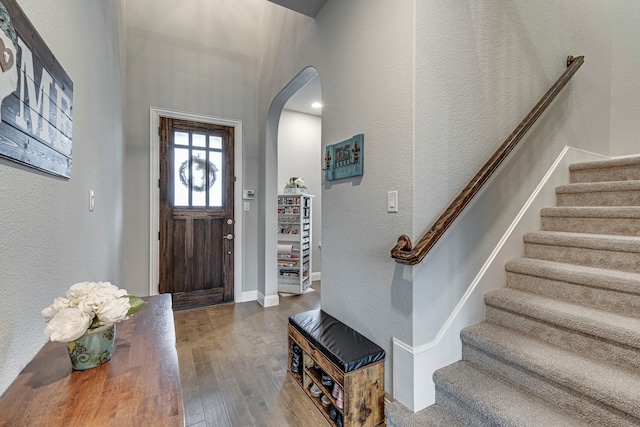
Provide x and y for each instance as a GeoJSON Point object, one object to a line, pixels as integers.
{"type": "Point", "coordinates": [233, 363]}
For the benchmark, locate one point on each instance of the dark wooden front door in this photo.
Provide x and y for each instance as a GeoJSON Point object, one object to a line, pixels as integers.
{"type": "Point", "coordinates": [196, 212]}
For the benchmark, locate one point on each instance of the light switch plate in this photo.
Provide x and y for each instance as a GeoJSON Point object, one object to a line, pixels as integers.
{"type": "Point", "coordinates": [92, 201]}
{"type": "Point", "coordinates": [392, 201]}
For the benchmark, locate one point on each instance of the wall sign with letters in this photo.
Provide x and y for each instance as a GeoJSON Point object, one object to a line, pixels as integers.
{"type": "Point", "coordinates": [36, 95]}
{"type": "Point", "coordinates": [344, 159]}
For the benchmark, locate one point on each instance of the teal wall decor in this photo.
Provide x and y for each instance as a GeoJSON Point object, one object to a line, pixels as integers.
{"type": "Point", "coordinates": [344, 159]}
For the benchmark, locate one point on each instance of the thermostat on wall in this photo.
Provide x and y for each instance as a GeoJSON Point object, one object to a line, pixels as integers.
{"type": "Point", "coordinates": [248, 194]}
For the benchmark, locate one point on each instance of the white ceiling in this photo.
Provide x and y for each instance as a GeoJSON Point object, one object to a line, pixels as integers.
{"type": "Point", "coordinates": [302, 100]}
{"type": "Point", "coordinates": [306, 7]}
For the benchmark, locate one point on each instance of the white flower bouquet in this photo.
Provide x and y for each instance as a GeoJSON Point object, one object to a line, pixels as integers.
{"type": "Point", "coordinates": [295, 181]}
{"type": "Point", "coordinates": [295, 186]}
{"type": "Point", "coordinates": [88, 307]}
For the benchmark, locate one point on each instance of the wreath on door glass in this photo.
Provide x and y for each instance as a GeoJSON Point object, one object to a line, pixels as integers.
{"type": "Point", "coordinates": [200, 180]}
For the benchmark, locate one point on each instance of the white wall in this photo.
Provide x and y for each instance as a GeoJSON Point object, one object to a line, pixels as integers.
{"type": "Point", "coordinates": [196, 57]}
{"type": "Point", "coordinates": [363, 53]}
{"type": "Point", "coordinates": [50, 240]}
{"type": "Point", "coordinates": [300, 154]}
{"type": "Point", "coordinates": [625, 84]}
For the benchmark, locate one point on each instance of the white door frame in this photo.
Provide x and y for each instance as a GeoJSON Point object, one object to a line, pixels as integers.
{"type": "Point", "coordinates": [154, 191]}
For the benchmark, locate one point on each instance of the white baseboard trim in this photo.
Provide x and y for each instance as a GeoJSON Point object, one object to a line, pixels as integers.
{"type": "Point", "coordinates": [268, 301]}
{"type": "Point", "coordinates": [315, 276]}
{"type": "Point", "coordinates": [246, 296]}
{"type": "Point", "coordinates": [413, 367]}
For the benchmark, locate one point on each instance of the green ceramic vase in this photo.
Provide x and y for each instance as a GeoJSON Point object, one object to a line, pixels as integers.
{"type": "Point", "coordinates": [92, 349]}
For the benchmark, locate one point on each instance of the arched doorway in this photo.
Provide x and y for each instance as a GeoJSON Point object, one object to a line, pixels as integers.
{"type": "Point", "coordinates": [267, 251]}
{"type": "Point", "coordinates": [300, 156]}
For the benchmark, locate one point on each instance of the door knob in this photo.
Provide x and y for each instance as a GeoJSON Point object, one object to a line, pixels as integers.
{"type": "Point", "coordinates": [228, 237]}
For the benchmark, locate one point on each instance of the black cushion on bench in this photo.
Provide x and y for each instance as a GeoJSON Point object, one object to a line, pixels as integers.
{"type": "Point", "coordinates": [342, 345]}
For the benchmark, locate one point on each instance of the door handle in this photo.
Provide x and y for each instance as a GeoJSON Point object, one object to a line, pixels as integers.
{"type": "Point", "coordinates": [228, 237]}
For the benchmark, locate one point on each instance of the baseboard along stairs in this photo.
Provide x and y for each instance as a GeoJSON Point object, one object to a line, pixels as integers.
{"type": "Point", "coordinates": [561, 342]}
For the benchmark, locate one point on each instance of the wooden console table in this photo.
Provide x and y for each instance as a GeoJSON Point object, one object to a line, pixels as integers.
{"type": "Point", "coordinates": [139, 386]}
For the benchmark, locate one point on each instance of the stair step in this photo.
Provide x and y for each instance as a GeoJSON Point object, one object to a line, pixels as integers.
{"type": "Point", "coordinates": [597, 323]}
{"type": "Point", "coordinates": [618, 220]}
{"type": "Point", "coordinates": [606, 336]}
{"type": "Point", "coordinates": [479, 398]}
{"type": "Point", "coordinates": [605, 170]}
{"type": "Point", "coordinates": [561, 343]}
{"type": "Point", "coordinates": [396, 415]}
{"type": "Point", "coordinates": [611, 290]}
{"type": "Point", "coordinates": [602, 251]}
{"type": "Point", "coordinates": [593, 390]}
{"type": "Point", "coordinates": [617, 193]}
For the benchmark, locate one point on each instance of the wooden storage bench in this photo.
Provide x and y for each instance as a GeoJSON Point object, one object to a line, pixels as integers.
{"type": "Point", "coordinates": [351, 360]}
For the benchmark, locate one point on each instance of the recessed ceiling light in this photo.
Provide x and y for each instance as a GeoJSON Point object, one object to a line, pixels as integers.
{"type": "Point", "coordinates": [316, 105]}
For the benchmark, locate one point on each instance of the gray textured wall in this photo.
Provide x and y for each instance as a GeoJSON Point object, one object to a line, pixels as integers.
{"type": "Point", "coordinates": [199, 57]}
{"type": "Point", "coordinates": [49, 238]}
{"type": "Point", "coordinates": [625, 85]}
{"type": "Point", "coordinates": [363, 53]}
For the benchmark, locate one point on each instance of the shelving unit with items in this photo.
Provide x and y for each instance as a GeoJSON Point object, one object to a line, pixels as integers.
{"type": "Point", "coordinates": [294, 242]}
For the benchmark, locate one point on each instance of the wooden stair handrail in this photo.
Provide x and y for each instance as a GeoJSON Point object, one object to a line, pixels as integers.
{"type": "Point", "coordinates": [403, 252]}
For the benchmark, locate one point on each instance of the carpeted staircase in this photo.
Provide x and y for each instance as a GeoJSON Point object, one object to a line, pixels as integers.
{"type": "Point", "coordinates": [561, 343]}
